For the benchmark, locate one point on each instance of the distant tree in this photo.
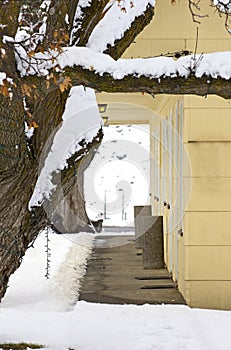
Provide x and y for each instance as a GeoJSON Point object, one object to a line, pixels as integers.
{"type": "Point", "coordinates": [34, 35]}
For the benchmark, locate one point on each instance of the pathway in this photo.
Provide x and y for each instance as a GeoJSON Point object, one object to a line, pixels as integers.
{"type": "Point", "coordinates": [115, 275]}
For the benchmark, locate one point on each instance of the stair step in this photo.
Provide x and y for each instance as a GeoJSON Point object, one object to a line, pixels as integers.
{"type": "Point", "coordinates": [159, 286]}
{"type": "Point", "coordinates": [148, 278]}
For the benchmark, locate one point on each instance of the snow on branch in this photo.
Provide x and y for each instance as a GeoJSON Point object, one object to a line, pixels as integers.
{"type": "Point", "coordinates": [81, 123]}
{"type": "Point", "coordinates": [116, 21]}
{"type": "Point", "coordinates": [82, 4]}
{"type": "Point", "coordinates": [213, 64]}
{"type": "Point", "coordinates": [223, 5]}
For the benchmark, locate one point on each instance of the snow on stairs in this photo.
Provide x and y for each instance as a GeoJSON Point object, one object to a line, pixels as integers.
{"type": "Point", "coordinates": [115, 275]}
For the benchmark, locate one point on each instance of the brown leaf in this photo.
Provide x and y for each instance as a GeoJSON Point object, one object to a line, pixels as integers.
{"type": "Point", "coordinates": [31, 53]}
{"type": "Point", "coordinates": [56, 34]}
{"type": "Point", "coordinates": [26, 90]}
{"type": "Point", "coordinates": [65, 84]}
{"type": "Point", "coordinates": [4, 88]}
{"type": "Point", "coordinates": [48, 84]}
{"type": "Point", "coordinates": [33, 124]}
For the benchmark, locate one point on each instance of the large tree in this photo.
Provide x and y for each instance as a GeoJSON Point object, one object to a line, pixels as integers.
{"type": "Point", "coordinates": [48, 47]}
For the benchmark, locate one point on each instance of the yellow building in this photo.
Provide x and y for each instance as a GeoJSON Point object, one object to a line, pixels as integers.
{"type": "Point", "coordinates": [190, 170]}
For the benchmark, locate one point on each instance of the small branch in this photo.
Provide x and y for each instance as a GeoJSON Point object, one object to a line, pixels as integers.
{"type": "Point", "coordinates": [194, 9]}
{"type": "Point", "coordinates": [224, 9]}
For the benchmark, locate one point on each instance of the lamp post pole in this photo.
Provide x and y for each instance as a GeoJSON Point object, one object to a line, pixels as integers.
{"type": "Point", "coordinates": [122, 190]}
{"type": "Point", "coordinates": [105, 204]}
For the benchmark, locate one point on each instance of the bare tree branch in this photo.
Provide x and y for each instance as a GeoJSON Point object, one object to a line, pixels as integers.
{"type": "Point", "coordinates": [195, 10]}
{"type": "Point", "coordinates": [224, 8]}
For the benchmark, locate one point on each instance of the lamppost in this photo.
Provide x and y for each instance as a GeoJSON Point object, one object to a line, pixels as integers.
{"type": "Point", "coordinates": [105, 204]}
{"type": "Point", "coordinates": [122, 190]}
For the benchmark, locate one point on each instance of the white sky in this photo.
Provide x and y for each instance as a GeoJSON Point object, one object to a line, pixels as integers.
{"type": "Point", "coordinates": [122, 162]}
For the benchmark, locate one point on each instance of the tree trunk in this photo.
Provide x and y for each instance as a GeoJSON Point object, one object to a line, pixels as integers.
{"type": "Point", "coordinates": [70, 213]}
{"type": "Point", "coordinates": [19, 166]}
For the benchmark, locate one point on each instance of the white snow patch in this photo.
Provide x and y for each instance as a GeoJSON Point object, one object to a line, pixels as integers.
{"type": "Point", "coordinates": [2, 77]}
{"type": "Point", "coordinates": [32, 291]}
{"type": "Point", "coordinates": [32, 311]}
{"type": "Point", "coordinates": [81, 120]}
{"type": "Point", "coordinates": [216, 64]}
{"type": "Point", "coordinates": [116, 22]}
{"type": "Point", "coordinates": [29, 132]}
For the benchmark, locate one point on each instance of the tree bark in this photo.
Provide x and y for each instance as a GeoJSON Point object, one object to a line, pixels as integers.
{"type": "Point", "coordinates": [206, 85]}
{"type": "Point", "coordinates": [18, 175]}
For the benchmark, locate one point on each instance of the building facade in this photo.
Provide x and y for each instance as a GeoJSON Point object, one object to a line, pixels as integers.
{"type": "Point", "coordinates": [190, 148]}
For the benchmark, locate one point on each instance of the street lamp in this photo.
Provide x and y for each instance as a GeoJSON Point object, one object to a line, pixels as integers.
{"type": "Point", "coordinates": [122, 190]}
{"type": "Point", "coordinates": [105, 204]}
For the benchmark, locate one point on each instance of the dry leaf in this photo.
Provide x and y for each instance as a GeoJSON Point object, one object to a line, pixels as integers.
{"type": "Point", "coordinates": [56, 34]}
{"type": "Point", "coordinates": [4, 88]}
{"type": "Point", "coordinates": [31, 53]}
{"type": "Point", "coordinates": [65, 84]}
{"type": "Point", "coordinates": [33, 125]}
{"type": "Point", "coordinates": [66, 37]}
{"type": "Point", "coordinates": [26, 90]}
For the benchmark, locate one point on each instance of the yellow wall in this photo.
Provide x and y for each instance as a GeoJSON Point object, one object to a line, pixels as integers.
{"type": "Point", "coordinates": [200, 260]}
{"type": "Point", "coordinates": [173, 29]}
{"type": "Point", "coordinates": [207, 238]}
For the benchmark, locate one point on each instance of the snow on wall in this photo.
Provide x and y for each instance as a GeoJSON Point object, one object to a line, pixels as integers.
{"type": "Point", "coordinates": [81, 120]}
{"type": "Point", "coordinates": [116, 22]}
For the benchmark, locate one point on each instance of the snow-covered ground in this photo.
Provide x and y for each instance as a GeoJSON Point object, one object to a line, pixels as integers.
{"type": "Point", "coordinates": [45, 311]}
